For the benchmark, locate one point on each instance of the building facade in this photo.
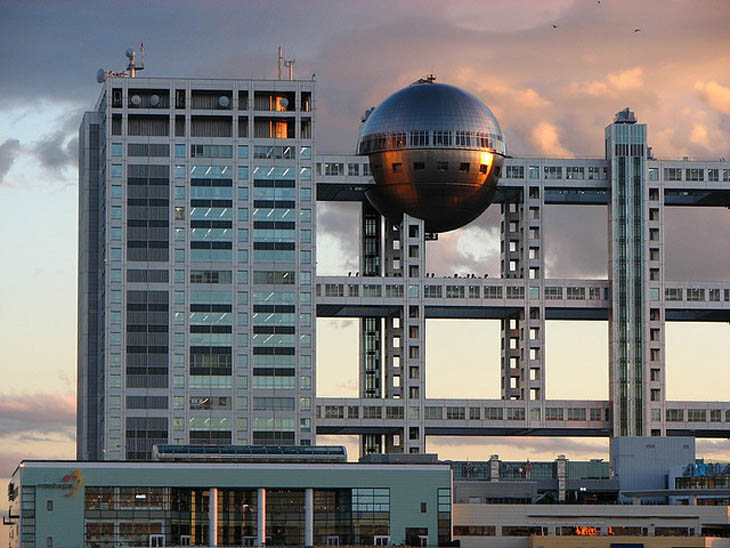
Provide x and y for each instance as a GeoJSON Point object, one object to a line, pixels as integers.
{"type": "Point", "coordinates": [70, 504]}
{"type": "Point", "coordinates": [308, 496]}
{"type": "Point", "coordinates": [198, 291]}
{"type": "Point", "coordinates": [185, 185]}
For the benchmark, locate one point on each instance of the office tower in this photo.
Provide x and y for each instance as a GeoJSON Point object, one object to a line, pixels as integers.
{"type": "Point", "coordinates": [196, 318]}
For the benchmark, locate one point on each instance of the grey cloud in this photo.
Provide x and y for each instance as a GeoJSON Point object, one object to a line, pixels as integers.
{"type": "Point", "coordinates": [362, 54]}
{"type": "Point", "coordinates": [451, 255]}
{"type": "Point", "coordinates": [9, 150]}
{"type": "Point", "coordinates": [57, 151]}
{"type": "Point", "coordinates": [518, 448]}
{"type": "Point", "coordinates": [339, 221]}
{"type": "Point", "coordinates": [40, 414]}
{"type": "Point", "coordinates": [9, 461]}
{"type": "Point", "coordinates": [713, 449]}
{"type": "Point", "coordinates": [575, 241]}
{"type": "Point", "coordinates": [689, 253]}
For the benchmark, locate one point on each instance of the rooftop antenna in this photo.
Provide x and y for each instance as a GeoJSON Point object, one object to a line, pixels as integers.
{"type": "Point", "coordinates": [290, 65]}
{"type": "Point", "coordinates": [428, 79]}
{"type": "Point", "coordinates": [284, 63]}
{"type": "Point", "coordinates": [132, 66]}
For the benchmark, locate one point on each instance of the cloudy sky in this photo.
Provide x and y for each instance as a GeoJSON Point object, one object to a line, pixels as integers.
{"type": "Point", "coordinates": [552, 89]}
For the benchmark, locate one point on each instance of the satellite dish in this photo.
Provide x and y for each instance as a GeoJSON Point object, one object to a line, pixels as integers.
{"type": "Point", "coordinates": [136, 100]}
{"type": "Point", "coordinates": [284, 102]}
{"type": "Point", "coordinates": [223, 101]}
{"type": "Point", "coordinates": [155, 100]}
{"type": "Point", "coordinates": [129, 53]}
{"type": "Point", "coordinates": [100, 76]}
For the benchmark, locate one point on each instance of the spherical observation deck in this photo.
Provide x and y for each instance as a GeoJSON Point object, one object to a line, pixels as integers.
{"type": "Point", "coordinates": [436, 153]}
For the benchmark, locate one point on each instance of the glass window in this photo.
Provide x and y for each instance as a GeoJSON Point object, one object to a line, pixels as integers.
{"type": "Point", "coordinates": [672, 174]}
{"type": "Point", "coordinates": [116, 170]}
{"type": "Point", "coordinates": [243, 151]}
{"type": "Point", "coordinates": [515, 172]}
{"type": "Point", "coordinates": [180, 151]}
{"type": "Point", "coordinates": [179, 171]}
{"type": "Point", "coordinates": [116, 149]}
{"type": "Point", "coordinates": [553, 172]}
{"type": "Point", "coordinates": [574, 173]}
{"type": "Point", "coordinates": [695, 174]}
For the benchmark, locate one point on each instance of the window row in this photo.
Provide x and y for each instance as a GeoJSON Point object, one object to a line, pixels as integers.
{"type": "Point", "coordinates": [696, 294]}
{"type": "Point", "coordinates": [337, 169]}
{"type": "Point", "coordinates": [692, 174]}
{"type": "Point", "coordinates": [556, 172]}
{"type": "Point", "coordinates": [426, 139]}
{"type": "Point", "coordinates": [697, 415]}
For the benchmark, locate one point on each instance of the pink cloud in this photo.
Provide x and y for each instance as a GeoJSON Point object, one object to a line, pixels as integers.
{"type": "Point", "coordinates": [714, 95]}
{"type": "Point", "coordinates": [38, 412]}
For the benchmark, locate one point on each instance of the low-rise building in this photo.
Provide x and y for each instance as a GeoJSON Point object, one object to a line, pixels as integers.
{"type": "Point", "coordinates": [71, 504]}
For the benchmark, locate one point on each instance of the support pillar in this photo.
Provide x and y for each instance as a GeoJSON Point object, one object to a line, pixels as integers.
{"type": "Point", "coordinates": [371, 330]}
{"type": "Point", "coordinates": [213, 516]}
{"type": "Point", "coordinates": [494, 468]}
{"type": "Point", "coordinates": [309, 517]}
{"type": "Point", "coordinates": [562, 463]}
{"type": "Point", "coordinates": [630, 252]}
{"type": "Point", "coordinates": [261, 518]}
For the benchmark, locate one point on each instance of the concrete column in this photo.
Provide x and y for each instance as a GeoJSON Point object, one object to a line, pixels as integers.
{"type": "Point", "coordinates": [494, 468]}
{"type": "Point", "coordinates": [213, 516]}
{"type": "Point", "coordinates": [309, 517]}
{"type": "Point", "coordinates": [261, 518]}
{"type": "Point", "coordinates": [562, 476]}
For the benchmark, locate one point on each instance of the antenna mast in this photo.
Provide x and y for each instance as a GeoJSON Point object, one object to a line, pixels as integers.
{"type": "Point", "coordinates": [284, 63]}
{"type": "Point", "coordinates": [132, 66]}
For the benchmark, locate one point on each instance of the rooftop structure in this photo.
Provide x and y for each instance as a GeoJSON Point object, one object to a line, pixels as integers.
{"type": "Point", "coordinates": [410, 140]}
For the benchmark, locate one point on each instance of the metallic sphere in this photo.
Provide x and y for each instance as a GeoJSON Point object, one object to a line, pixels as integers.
{"type": "Point", "coordinates": [436, 153]}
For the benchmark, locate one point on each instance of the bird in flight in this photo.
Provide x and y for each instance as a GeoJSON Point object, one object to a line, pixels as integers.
{"type": "Point", "coordinates": [637, 30]}
{"type": "Point", "coordinates": [555, 26]}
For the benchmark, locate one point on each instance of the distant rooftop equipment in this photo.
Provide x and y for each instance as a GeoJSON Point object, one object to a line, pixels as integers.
{"type": "Point", "coordinates": [284, 63]}
{"type": "Point", "coordinates": [250, 453]}
{"type": "Point", "coordinates": [625, 116]}
{"type": "Point", "coordinates": [132, 67]}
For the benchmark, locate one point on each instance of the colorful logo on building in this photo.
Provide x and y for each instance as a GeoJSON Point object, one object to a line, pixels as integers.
{"type": "Point", "coordinates": [75, 479]}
